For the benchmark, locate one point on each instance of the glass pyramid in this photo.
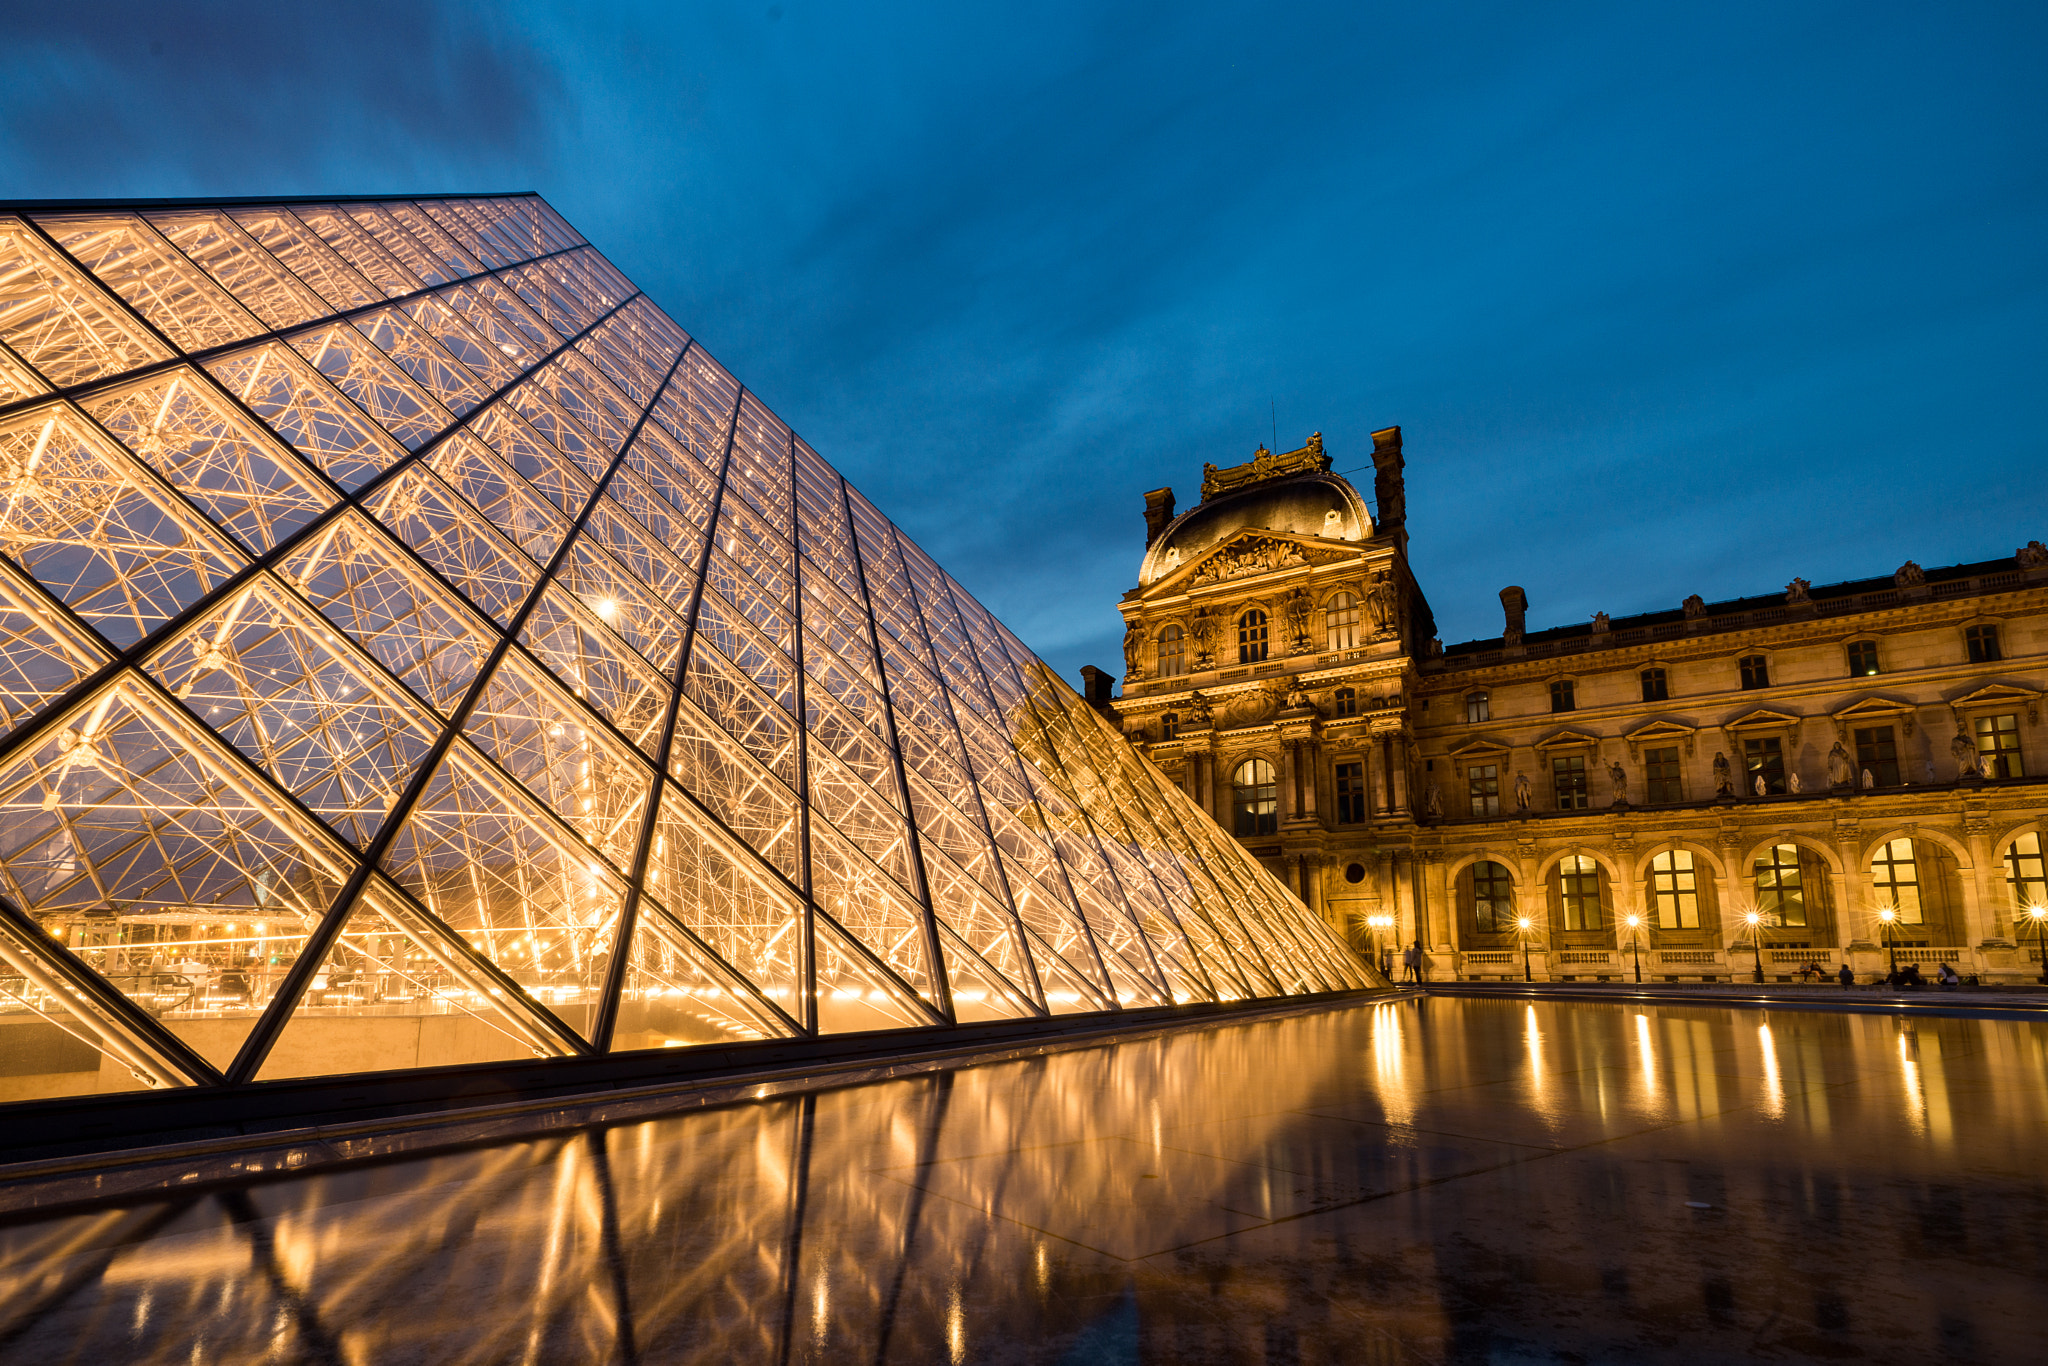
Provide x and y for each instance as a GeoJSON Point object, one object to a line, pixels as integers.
{"type": "Point", "coordinates": [414, 649]}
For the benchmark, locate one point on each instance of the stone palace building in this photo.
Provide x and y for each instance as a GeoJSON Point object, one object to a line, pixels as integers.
{"type": "Point", "coordinates": [1853, 772]}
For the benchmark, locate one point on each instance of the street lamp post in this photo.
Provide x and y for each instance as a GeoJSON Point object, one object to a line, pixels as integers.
{"type": "Point", "coordinates": [1887, 914]}
{"type": "Point", "coordinates": [2039, 915]}
{"type": "Point", "coordinates": [1522, 924]}
{"type": "Point", "coordinates": [1756, 943]}
{"type": "Point", "coordinates": [1635, 941]}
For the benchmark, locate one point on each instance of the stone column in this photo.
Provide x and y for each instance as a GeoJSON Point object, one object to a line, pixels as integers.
{"type": "Point", "coordinates": [1398, 764]}
{"type": "Point", "coordinates": [1283, 783]}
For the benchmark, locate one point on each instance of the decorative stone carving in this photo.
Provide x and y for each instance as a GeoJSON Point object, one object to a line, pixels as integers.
{"type": "Point", "coordinates": [1379, 607]}
{"type": "Point", "coordinates": [1522, 792]}
{"type": "Point", "coordinates": [1253, 555]}
{"type": "Point", "coordinates": [1600, 623]}
{"type": "Point", "coordinates": [1195, 715]}
{"type": "Point", "coordinates": [1796, 591]}
{"type": "Point", "coordinates": [1433, 803]}
{"type": "Point", "coordinates": [1618, 776]}
{"type": "Point", "coordinates": [2032, 555]}
{"type": "Point", "coordinates": [1298, 698]}
{"type": "Point", "coordinates": [1436, 648]}
{"type": "Point", "coordinates": [1908, 575]}
{"type": "Point", "coordinates": [1964, 750]}
{"type": "Point", "coordinates": [1134, 648]}
{"type": "Point", "coordinates": [1792, 780]}
{"type": "Point", "coordinates": [1724, 782]}
{"type": "Point", "coordinates": [1870, 779]}
{"type": "Point", "coordinates": [1839, 768]}
{"type": "Point", "coordinates": [1203, 628]}
{"type": "Point", "coordinates": [1300, 603]}
{"type": "Point", "coordinates": [1263, 467]}
{"type": "Point", "coordinates": [1759, 785]}
{"type": "Point", "coordinates": [1695, 606]}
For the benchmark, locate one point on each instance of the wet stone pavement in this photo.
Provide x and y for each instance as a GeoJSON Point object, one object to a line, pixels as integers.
{"type": "Point", "coordinates": [1419, 1180]}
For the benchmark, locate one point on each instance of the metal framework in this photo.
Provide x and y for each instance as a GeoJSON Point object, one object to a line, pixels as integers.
{"type": "Point", "coordinates": [414, 649]}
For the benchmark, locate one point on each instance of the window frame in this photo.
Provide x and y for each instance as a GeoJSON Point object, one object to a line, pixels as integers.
{"type": "Point", "coordinates": [1572, 884]}
{"type": "Point", "coordinates": [1500, 907]}
{"type": "Point", "coordinates": [1169, 727]}
{"type": "Point", "coordinates": [1653, 781]}
{"type": "Point", "coordinates": [1173, 635]}
{"type": "Point", "coordinates": [1351, 792]}
{"type": "Point", "coordinates": [1755, 672]}
{"type": "Point", "coordinates": [1752, 766]}
{"type": "Point", "coordinates": [1567, 765]}
{"type": "Point", "coordinates": [1254, 636]}
{"type": "Point", "coordinates": [1343, 615]}
{"type": "Point", "coordinates": [1679, 885]}
{"type": "Point", "coordinates": [1773, 896]}
{"type": "Point", "coordinates": [1260, 811]}
{"type": "Point", "coordinates": [1344, 702]}
{"type": "Point", "coordinates": [1656, 684]}
{"type": "Point", "coordinates": [1482, 789]}
{"type": "Point", "coordinates": [2020, 876]}
{"type": "Point", "coordinates": [1868, 649]}
{"type": "Point", "coordinates": [1478, 707]}
{"type": "Point", "coordinates": [1981, 644]}
{"type": "Point", "coordinates": [1564, 695]}
{"type": "Point", "coordinates": [2005, 758]}
{"type": "Point", "coordinates": [1880, 737]}
{"type": "Point", "coordinates": [1890, 861]}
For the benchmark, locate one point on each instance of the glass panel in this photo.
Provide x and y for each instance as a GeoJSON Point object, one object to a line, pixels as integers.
{"type": "Point", "coordinates": [57, 1040]}
{"type": "Point", "coordinates": [454, 538]}
{"type": "Point", "coordinates": [302, 408]}
{"type": "Point", "coordinates": [223, 250]}
{"type": "Point", "coordinates": [308, 258]}
{"type": "Point", "coordinates": [154, 277]}
{"type": "Point", "coordinates": [54, 317]}
{"type": "Point", "coordinates": [379, 388]}
{"type": "Point", "coordinates": [43, 652]}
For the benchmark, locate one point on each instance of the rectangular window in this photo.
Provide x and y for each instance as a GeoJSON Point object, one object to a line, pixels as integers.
{"type": "Point", "coordinates": [1998, 740]}
{"type": "Point", "coordinates": [1877, 752]}
{"type": "Point", "coordinates": [1756, 671]}
{"type": "Point", "coordinates": [1983, 644]}
{"type": "Point", "coordinates": [1579, 882]}
{"type": "Point", "coordinates": [1568, 777]}
{"type": "Point", "coordinates": [1862, 658]}
{"type": "Point", "coordinates": [1780, 895]}
{"type": "Point", "coordinates": [1766, 761]}
{"type": "Point", "coordinates": [1347, 701]}
{"type": "Point", "coordinates": [1493, 899]}
{"type": "Point", "coordinates": [1561, 695]}
{"type": "Point", "coordinates": [2026, 876]}
{"type": "Point", "coordinates": [1483, 782]}
{"type": "Point", "coordinates": [1173, 652]}
{"type": "Point", "coordinates": [1675, 891]}
{"type": "Point", "coordinates": [1351, 794]}
{"type": "Point", "coordinates": [1895, 876]}
{"type": "Point", "coordinates": [1169, 727]}
{"type": "Point", "coordinates": [1342, 614]}
{"type": "Point", "coordinates": [1654, 689]}
{"type": "Point", "coordinates": [1475, 707]}
{"type": "Point", "coordinates": [1660, 775]}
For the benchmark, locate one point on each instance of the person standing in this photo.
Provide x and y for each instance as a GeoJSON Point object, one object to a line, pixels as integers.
{"type": "Point", "coordinates": [1411, 960]}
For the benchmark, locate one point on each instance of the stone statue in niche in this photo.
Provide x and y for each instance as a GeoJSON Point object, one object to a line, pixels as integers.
{"type": "Point", "coordinates": [1724, 783]}
{"type": "Point", "coordinates": [1299, 604]}
{"type": "Point", "coordinates": [1796, 591]}
{"type": "Point", "coordinates": [1134, 648]}
{"type": "Point", "coordinates": [1379, 606]}
{"type": "Point", "coordinates": [1695, 606]}
{"type": "Point", "coordinates": [1203, 629]}
{"type": "Point", "coordinates": [1433, 803]}
{"type": "Point", "coordinates": [1618, 776]}
{"type": "Point", "coordinates": [1908, 575]}
{"type": "Point", "coordinates": [1522, 792]}
{"type": "Point", "coordinates": [1838, 766]}
{"type": "Point", "coordinates": [2032, 555]}
{"type": "Point", "coordinates": [1965, 751]}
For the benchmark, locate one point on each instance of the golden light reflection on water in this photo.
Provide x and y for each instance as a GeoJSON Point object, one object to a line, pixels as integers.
{"type": "Point", "coordinates": [940, 1213]}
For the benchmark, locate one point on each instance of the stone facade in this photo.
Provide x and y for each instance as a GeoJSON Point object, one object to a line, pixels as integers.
{"type": "Point", "coordinates": [1822, 775]}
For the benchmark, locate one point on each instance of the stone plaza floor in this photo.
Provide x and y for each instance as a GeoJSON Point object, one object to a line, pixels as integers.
{"type": "Point", "coordinates": [1419, 1180]}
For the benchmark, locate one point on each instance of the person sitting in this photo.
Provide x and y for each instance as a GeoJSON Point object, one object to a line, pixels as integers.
{"type": "Point", "coordinates": [1846, 977]}
{"type": "Point", "coordinates": [1811, 972]}
{"type": "Point", "coordinates": [1909, 977]}
{"type": "Point", "coordinates": [1947, 977]}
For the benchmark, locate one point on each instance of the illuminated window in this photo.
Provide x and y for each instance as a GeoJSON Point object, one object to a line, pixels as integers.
{"type": "Point", "coordinates": [1756, 671]}
{"type": "Point", "coordinates": [1660, 775]}
{"type": "Point", "coordinates": [1173, 652]}
{"type": "Point", "coordinates": [1251, 637]}
{"type": "Point", "coordinates": [1862, 658]}
{"type": "Point", "coordinates": [1475, 707]}
{"type": "Point", "coordinates": [1780, 895]}
{"type": "Point", "coordinates": [1654, 689]}
{"type": "Point", "coordinates": [1341, 612]}
{"type": "Point", "coordinates": [1675, 891]}
{"type": "Point", "coordinates": [1877, 751]}
{"type": "Point", "coordinates": [1347, 701]}
{"type": "Point", "coordinates": [1483, 783]}
{"type": "Point", "coordinates": [1895, 876]}
{"type": "Point", "coordinates": [1766, 760]}
{"type": "Point", "coordinates": [1568, 780]}
{"type": "Point", "coordinates": [1169, 726]}
{"type": "Point", "coordinates": [1998, 739]}
{"type": "Point", "coordinates": [2025, 873]}
{"type": "Point", "coordinates": [1254, 804]}
{"type": "Point", "coordinates": [1982, 642]}
{"type": "Point", "coordinates": [1351, 795]}
{"type": "Point", "coordinates": [1563, 695]}
{"type": "Point", "coordinates": [1493, 898]}
{"type": "Point", "coordinates": [1578, 882]}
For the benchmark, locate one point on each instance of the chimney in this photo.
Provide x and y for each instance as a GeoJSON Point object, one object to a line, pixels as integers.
{"type": "Point", "coordinates": [1158, 512]}
{"type": "Point", "coordinates": [1388, 489]}
{"type": "Point", "coordinates": [1095, 686]}
{"type": "Point", "coordinates": [1515, 603]}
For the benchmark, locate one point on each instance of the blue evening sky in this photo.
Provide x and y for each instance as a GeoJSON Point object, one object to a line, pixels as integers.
{"type": "Point", "coordinates": [1667, 299]}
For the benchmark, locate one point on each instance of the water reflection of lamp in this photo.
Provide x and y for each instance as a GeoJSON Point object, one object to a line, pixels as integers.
{"type": "Point", "coordinates": [1755, 921]}
{"type": "Point", "coordinates": [1887, 915]}
{"type": "Point", "coordinates": [1522, 924]}
{"type": "Point", "coordinates": [2039, 914]}
{"type": "Point", "coordinates": [1635, 943]}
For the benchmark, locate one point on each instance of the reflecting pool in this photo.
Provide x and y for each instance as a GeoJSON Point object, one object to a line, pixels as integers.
{"type": "Point", "coordinates": [1411, 1181]}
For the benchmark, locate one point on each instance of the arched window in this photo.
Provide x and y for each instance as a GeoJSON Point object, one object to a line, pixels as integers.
{"type": "Point", "coordinates": [1347, 701]}
{"type": "Point", "coordinates": [1493, 898]}
{"type": "Point", "coordinates": [1169, 727]}
{"type": "Point", "coordinates": [1341, 611]}
{"type": "Point", "coordinates": [1895, 877]}
{"type": "Point", "coordinates": [2025, 872]}
{"type": "Point", "coordinates": [1254, 806]}
{"type": "Point", "coordinates": [1780, 891]}
{"type": "Point", "coordinates": [1675, 890]}
{"type": "Point", "coordinates": [1251, 637]}
{"type": "Point", "coordinates": [1578, 883]}
{"type": "Point", "coordinates": [1173, 652]}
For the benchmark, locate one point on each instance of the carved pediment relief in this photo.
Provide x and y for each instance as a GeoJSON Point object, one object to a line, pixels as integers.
{"type": "Point", "coordinates": [1660, 732]}
{"type": "Point", "coordinates": [1478, 749]}
{"type": "Point", "coordinates": [1247, 554]}
{"type": "Point", "coordinates": [1568, 739]}
{"type": "Point", "coordinates": [1763, 718]}
{"type": "Point", "coordinates": [2002, 694]}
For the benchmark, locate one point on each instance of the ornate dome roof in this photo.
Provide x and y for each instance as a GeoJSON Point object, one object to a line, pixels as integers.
{"type": "Point", "coordinates": [1312, 504]}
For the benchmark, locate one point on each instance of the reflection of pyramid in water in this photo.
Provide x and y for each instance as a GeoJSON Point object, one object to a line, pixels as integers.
{"type": "Point", "coordinates": [414, 649]}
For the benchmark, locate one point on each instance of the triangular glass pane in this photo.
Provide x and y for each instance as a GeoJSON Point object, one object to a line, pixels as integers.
{"type": "Point", "coordinates": [311, 260]}
{"type": "Point", "coordinates": [530, 400]}
{"type": "Point", "coordinates": [868, 818]}
{"type": "Point", "coordinates": [1068, 990]}
{"type": "Point", "coordinates": [348, 362]}
{"type": "Point", "coordinates": [43, 652]}
{"type": "Point", "coordinates": [525, 892]}
{"type": "Point", "coordinates": [854, 995]}
{"type": "Point", "coordinates": [667, 574]}
{"type": "Point", "coordinates": [501, 319]}
{"type": "Point", "coordinates": [582, 391]}
{"type": "Point", "coordinates": [666, 491]}
{"type": "Point", "coordinates": [454, 256]}
{"type": "Point", "coordinates": [429, 266]}
{"type": "Point", "coordinates": [117, 547]}
{"type": "Point", "coordinates": [416, 628]}
{"type": "Point", "coordinates": [590, 660]}
{"type": "Point", "coordinates": [161, 861]}
{"type": "Point", "coordinates": [455, 539]}
{"type": "Point", "coordinates": [223, 250]}
{"type": "Point", "coordinates": [59, 1040]}
{"type": "Point", "coordinates": [273, 678]}
{"type": "Point", "coordinates": [979, 991]}
{"type": "Point", "coordinates": [871, 905]}
{"type": "Point", "coordinates": [239, 475]}
{"type": "Point", "coordinates": [675, 996]}
{"type": "Point", "coordinates": [155, 278]}
{"type": "Point", "coordinates": [696, 406]}
{"type": "Point", "coordinates": [981, 920]}
{"type": "Point", "coordinates": [53, 315]}
{"type": "Point", "coordinates": [565, 757]}
{"type": "Point", "coordinates": [300, 406]}
{"type": "Point", "coordinates": [395, 992]}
